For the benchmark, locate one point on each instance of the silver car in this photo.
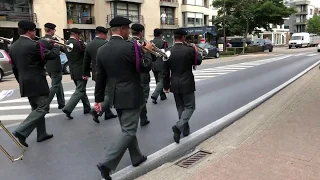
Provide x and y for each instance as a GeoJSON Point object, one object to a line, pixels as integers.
{"type": "Point", "coordinates": [5, 66]}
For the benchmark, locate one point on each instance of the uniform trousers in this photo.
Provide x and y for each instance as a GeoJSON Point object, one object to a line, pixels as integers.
{"type": "Point", "coordinates": [106, 105]}
{"type": "Point", "coordinates": [186, 105]}
{"type": "Point", "coordinates": [36, 119]}
{"type": "Point", "coordinates": [129, 120]}
{"type": "Point", "coordinates": [159, 88]}
{"type": "Point", "coordinates": [56, 88]}
{"type": "Point", "coordinates": [79, 94]}
{"type": "Point", "coordinates": [143, 113]}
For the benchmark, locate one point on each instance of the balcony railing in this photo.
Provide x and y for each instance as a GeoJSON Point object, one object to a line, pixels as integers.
{"type": "Point", "coordinates": [17, 16]}
{"type": "Point", "coordinates": [81, 20]}
{"type": "Point", "coordinates": [170, 21]}
{"type": "Point", "coordinates": [170, 1]}
{"type": "Point", "coordinates": [133, 18]}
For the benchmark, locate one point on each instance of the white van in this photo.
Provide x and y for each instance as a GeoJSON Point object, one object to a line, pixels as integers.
{"type": "Point", "coordinates": [299, 40]}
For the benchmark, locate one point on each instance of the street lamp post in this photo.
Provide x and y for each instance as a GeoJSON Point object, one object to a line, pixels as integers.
{"type": "Point", "coordinates": [224, 26]}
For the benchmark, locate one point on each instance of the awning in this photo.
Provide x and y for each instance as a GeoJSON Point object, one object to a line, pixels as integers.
{"type": "Point", "coordinates": [200, 30]}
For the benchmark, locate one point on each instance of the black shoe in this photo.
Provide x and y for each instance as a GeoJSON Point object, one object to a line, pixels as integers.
{"type": "Point", "coordinates": [46, 137]}
{"type": "Point", "coordinates": [95, 116]}
{"type": "Point", "coordinates": [163, 98]}
{"type": "Point", "coordinates": [107, 117]}
{"type": "Point", "coordinates": [144, 123]}
{"type": "Point", "coordinates": [176, 134]}
{"type": "Point", "coordinates": [68, 114]}
{"type": "Point", "coordinates": [186, 130]}
{"type": "Point", "coordinates": [105, 172]}
{"type": "Point", "coordinates": [61, 106]}
{"type": "Point", "coordinates": [143, 159]}
{"type": "Point", "coordinates": [20, 138]}
{"type": "Point", "coordinates": [154, 100]}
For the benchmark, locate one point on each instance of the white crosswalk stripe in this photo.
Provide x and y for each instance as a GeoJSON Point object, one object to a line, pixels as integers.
{"type": "Point", "coordinates": [19, 109]}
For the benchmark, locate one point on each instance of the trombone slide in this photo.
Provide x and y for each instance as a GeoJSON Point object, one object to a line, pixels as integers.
{"type": "Point", "coordinates": [11, 158]}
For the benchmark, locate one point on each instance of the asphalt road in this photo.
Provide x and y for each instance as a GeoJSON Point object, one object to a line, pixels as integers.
{"type": "Point", "coordinates": [80, 143]}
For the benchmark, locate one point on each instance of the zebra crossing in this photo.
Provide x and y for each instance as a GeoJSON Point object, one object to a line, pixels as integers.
{"type": "Point", "coordinates": [19, 109]}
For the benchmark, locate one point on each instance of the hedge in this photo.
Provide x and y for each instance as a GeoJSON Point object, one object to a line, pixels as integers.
{"type": "Point", "coordinates": [250, 49]}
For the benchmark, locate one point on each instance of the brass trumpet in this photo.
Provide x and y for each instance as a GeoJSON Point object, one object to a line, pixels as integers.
{"type": "Point", "coordinates": [155, 50]}
{"type": "Point", "coordinates": [6, 39]}
{"type": "Point", "coordinates": [68, 46]}
{"type": "Point", "coordinates": [11, 158]}
{"type": "Point", "coordinates": [202, 51]}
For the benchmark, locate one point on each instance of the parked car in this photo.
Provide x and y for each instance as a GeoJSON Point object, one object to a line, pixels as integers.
{"type": "Point", "coordinates": [266, 43]}
{"type": "Point", "coordinates": [212, 50]}
{"type": "Point", "coordinates": [64, 63]}
{"type": "Point", "coordinates": [318, 47]}
{"type": "Point", "coordinates": [5, 66]}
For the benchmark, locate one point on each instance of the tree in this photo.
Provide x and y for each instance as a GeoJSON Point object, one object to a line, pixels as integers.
{"type": "Point", "coordinates": [244, 17]}
{"type": "Point", "coordinates": [313, 24]}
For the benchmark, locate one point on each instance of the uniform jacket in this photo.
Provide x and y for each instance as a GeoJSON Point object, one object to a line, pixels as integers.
{"type": "Point", "coordinates": [75, 58]}
{"type": "Point", "coordinates": [158, 64]}
{"type": "Point", "coordinates": [90, 56]}
{"type": "Point", "coordinates": [180, 63]}
{"type": "Point", "coordinates": [28, 66]}
{"type": "Point", "coordinates": [116, 65]}
{"type": "Point", "coordinates": [145, 76]}
{"type": "Point", "coordinates": [53, 65]}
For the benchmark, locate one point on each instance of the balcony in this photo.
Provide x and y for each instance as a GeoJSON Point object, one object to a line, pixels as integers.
{"type": "Point", "coordinates": [170, 23]}
{"type": "Point", "coordinates": [302, 13]}
{"type": "Point", "coordinates": [10, 19]}
{"type": "Point", "coordinates": [81, 22]}
{"type": "Point", "coordinates": [302, 2]}
{"type": "Point", "coordinates": [134, 1]}
{"type": "Point", "coordinates": [169, 3]}
{"type": "Point", "coordinates": [81, 1]}
{"type": "Point", "coordinates": [302, 22]}
{"type": "Point", "coordinates": [133, 18]}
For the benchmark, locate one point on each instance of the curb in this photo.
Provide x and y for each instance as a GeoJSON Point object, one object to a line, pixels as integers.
{"type": "Point", "coordinates": [173, 151]}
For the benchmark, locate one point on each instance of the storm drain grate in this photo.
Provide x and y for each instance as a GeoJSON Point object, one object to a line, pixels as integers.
{"type": "Point", "coordinates": [193, 159]}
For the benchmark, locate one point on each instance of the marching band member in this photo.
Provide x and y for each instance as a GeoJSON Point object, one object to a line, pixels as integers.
{"type": "Point", "coordinates": [119, 63]}
{"type": "Point", "coordinates": [181, 83]}
{"type": "Point", "coordinates": [90, 59]}
{"type": "Point", "coordinates": [75, 59]}
{"type": "Point", "coordinates": [28, 60]}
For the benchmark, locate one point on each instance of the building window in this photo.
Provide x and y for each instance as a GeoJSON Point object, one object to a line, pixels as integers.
{"type": "Point", "coordinates": [194, 19]}
{"type": "Point", "coordinates": [79, 13]}
{"type": "Point", "coordinates": [128, 10]}
{"type": "Point", "coordinates": [167, 15]}
{"type": "Point", "coordinates": [194, 2]}
{"type": "Point", "coordinates": [311, 11]}
{"type": "Point", "coordinates": [286, 27]}
{"type": "Point", "coordinates": [274, 26]}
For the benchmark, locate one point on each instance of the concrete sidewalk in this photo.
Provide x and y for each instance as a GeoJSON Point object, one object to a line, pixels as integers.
{"type": "Point", "coordinates": [279, 140]}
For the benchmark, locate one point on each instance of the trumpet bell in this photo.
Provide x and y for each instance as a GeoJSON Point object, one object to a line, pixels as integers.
{"type": "Point", "coordinates": [167, 53]}
{"type": "Point", "coordinates": [207, 51]}
{"type": "Point", "coordinates": [69, 47]}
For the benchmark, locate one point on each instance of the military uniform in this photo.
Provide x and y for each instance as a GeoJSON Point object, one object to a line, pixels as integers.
{"type": "Point", "coordinates": [119, 65]}
{"type": "Point", "coordinates": [28, 61]}
{"type": "Point", "coordinates": [183, 58]}
{"type": "Point", "coordinates": [90, 58]}
{"type": "Point", "coordinates": [157, 68]}
{"type": "Point", "coordinates": [75, 60]}
{"type": "Point", "coordinates": [145, 81]}
{"type": "Point", "coordinates": [54, 70]}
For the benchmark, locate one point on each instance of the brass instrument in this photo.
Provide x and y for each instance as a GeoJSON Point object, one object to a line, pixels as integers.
{"type": "Point", "coordinates": [62, 39]}
{"type": "Point", "coordinates": [202, 51]}
{"type": "Point", "coordinates": [155, 50]}
{"type": "Point", "coordinates": [68, 46]}
{"type": "Point", "coordinates": [6, 39]}
{"type": "Point", "coordinates": [11, 158]}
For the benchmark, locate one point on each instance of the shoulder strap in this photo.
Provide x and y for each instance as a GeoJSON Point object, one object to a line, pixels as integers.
{"type": "Point", "coordinates": [136, 49]}
{"type": "Point", "coordinates": [41, 50]}
{"type": "Point", "coordinates": [195, 58]}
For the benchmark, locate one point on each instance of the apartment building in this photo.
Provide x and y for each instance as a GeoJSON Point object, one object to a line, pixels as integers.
{"type": "Point", "coordinates": [194, 15]}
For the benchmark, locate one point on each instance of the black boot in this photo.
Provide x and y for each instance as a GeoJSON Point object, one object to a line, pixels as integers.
{"type": "Point", "coordinates": [20, 138]}
{"type": "Point", "coordinates": [95, 116]}
{"type": "Point", "coordinates": [176, 134]}
{"type": "Point", "coordinates": [68, 114]}
{"type": "Point", "coordinates": [105, 172]}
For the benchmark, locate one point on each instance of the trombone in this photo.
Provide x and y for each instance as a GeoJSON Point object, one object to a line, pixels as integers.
{"type": "Point", "coordinates": [11, 158]}
{"type": "Point", "coordinates": [202, 51]}
{"type": "Point", "coordinates": [2, 39]}
{"type": "Point", "coordinates": [68, 46]}
{"type": "Point", "coordinates": [155, 50]}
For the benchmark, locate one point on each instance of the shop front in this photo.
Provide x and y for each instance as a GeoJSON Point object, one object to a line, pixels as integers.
{"type": "Point", "coordinates": [201, 34]}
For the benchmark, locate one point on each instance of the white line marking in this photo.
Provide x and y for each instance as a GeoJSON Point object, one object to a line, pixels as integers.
{"type": "Point", "coordinates": [6, 93]}
{"type": "Point", "coordinates": [24, 116]}
{"type": "Point", "coordinates": [312, 55]}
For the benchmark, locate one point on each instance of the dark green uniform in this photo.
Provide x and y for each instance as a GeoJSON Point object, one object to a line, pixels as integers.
{"type": "Point", "coordinates": [75, 60]}
{"type": "Point", "coordinates": [118, 66]}
{"type": "Point", "coordinates": [90, 58]}
{"type": "Point", "coordinates": [182, 83]}
{"type": "Point", "coordinates": [145, 83]}
{"type": "Point", "coordinates": [54, 70]}
{"type": "Point", "coordinates": [28, 61]}
{"type": "Point", "coordinates": [157, 69]}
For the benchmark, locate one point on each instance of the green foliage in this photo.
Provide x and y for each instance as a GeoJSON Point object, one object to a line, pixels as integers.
{"type": "Point", "coordinates": [313, 24]}
{"type": "Point", "coordinates": [243, 17]}
{"type": "Point", "coordinates": [250, 49]}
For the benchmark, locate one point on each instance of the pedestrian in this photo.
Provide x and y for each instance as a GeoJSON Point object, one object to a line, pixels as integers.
{"type": "Point", "coordinates": [157, 67]}
{"type": "Point", "coordinates": [75, 60]}
{"type": "Point", "coordinates": [28, 60]}
{"type": "Point", "coordinates": [181, 83]}
{"type": "Point", "coordinates": [137, 31]}
{"type": "Point", "coordinates": [90, 59]}
{"type": "Point", "coordinates": [53, 67]}
{"type": "Point", "coordinates": [119, 63]}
